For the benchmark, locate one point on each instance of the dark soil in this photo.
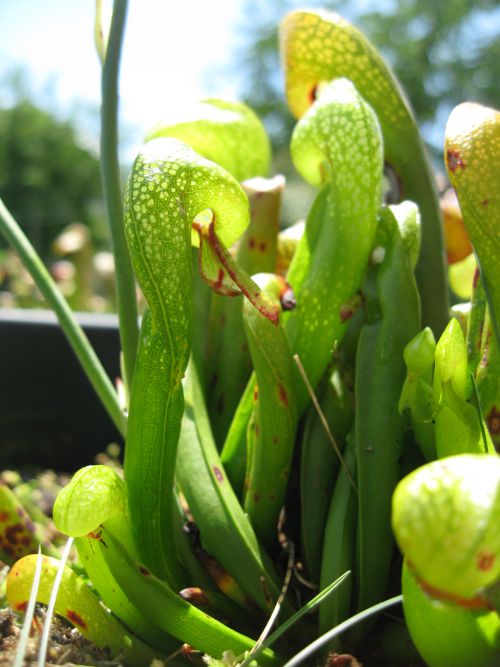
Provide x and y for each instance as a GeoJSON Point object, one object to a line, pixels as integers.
{"type": "Point", "coordinates": [66, 646]}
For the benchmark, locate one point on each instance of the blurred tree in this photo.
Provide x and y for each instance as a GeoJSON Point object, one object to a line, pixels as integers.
{"type": "Point", "coordinates": [47, 179]}
{"type": "Point", "coordinates": [443, 52]}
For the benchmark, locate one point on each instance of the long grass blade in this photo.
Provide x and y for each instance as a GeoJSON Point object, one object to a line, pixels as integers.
{"type": "Point", "coordinates": [307, 608]}
{"type": "Point", "coordinates": [480, 417]}
{"type": "Point", "coordinates": [342, 627]}
{"type": "Point", "coordinates": [79, 342]}
{"type": "Point", "coordinates": [259, 645]}
{"type": "Point", "coordinates": [30, 611]}
{"type": "Point", "coordinates": [44, 643]}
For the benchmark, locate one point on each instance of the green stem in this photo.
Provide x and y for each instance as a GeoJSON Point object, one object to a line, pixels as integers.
{"type": "Point", "coordinates": [74, 333]}
{"type": "Point", "coordinates": [110, 175]}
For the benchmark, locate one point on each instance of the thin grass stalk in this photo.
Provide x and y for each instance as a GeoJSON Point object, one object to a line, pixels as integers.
{"type": "Point", "coordinates": [323, 420]}
{"type": "Point", "coordinates": [111, 183]}
{"type": "Point", "coordinates": [44, 643]}
{"type": "Point", "coordinates": [274, 615]}
{"type": "Point", "coordinates": [340, 628]}
{"type": "Point", "coordinates": [306, 609]}
{"type": "Point", "coordinates": [480, 416]}
{"type": "Point", "coordinates": [30, 611]}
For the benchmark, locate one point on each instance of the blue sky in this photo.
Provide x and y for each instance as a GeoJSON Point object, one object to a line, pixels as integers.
{"type": "Point", "coordinates": [170, 49]}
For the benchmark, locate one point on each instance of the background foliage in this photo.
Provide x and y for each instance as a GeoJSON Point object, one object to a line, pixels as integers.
{"type": "Point", "coordinates": [46, 176]}
{"type": "Point", "coordinates": [443, 52]}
